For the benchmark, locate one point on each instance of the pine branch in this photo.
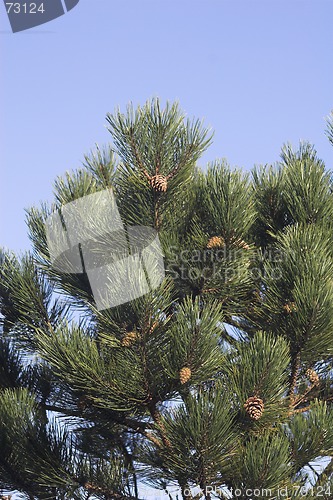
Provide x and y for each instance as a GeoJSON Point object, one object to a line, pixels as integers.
{"type": "Point", "coordinates": [137, 157]}
{"type": "Point", "coordinates": [295, 366]}
{"type": "Point", "coordinates": [157, 418]}
{"type": "Point", "coordinates": [185, 490]}
{"type": "Point", "coordinates": [123, 420]}
{"type": "Point", "coordinates": [182, 163]}
{"type": "Point", "coordinates": [300, 410]}
{"type": "Point", "coordinates": [300, 399]}
{"type": "Point", "coordinates": [109, 494]}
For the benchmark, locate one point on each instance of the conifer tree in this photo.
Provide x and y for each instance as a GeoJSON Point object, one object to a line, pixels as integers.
{"type": "Point", "coordinates": [217, 383]}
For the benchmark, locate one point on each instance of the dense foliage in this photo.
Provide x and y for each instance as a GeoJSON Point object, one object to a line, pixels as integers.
{"type": "Point", "coordinates": [216, 383]}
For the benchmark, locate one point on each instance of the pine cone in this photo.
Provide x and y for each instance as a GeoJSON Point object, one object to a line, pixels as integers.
{"type": "Point", "coordinates": [185, 375]}
{"type": "Point", "coordinates": [129, 339]}
{"type": "Point", "coordinates": [93, 487]}
{"type": "Point", "coordinates": [241, 244]}
{"type": "Point", "coordinates": [254, 407]}
{"type": "Point", "coordinates": [216, 242]}
{"type": "Point", "coordinates": [159, 183]}
{"type": "Point", "coordinates": [290, 307]}
{"type": "Point", "coordinates": [312, 376]}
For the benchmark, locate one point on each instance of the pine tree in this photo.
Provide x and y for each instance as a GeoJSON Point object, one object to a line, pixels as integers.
{"type": "Point", "coordinates": [217, 383]}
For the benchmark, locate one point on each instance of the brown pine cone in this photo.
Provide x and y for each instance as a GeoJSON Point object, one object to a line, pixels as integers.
{"type": "Point", "coordinates": [185, 375]}
{"type": "Point", "coordinates": [159, 183]}
{"type": "Point", "coordinates": [216, 242]}
{"type": "Point", "coordinates": [241, 244]}
{"type": "Point", "coordinates": [254, 407]}
{"type": "Point", "coordinates": [313, 376]}
{"type": "Point", "coordinates": [290, 307]}
{"type": "Point", "coordinates": [129, 339]}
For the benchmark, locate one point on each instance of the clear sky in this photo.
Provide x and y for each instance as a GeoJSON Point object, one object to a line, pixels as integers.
{"type": "Point", "coordinates": [259, 72]}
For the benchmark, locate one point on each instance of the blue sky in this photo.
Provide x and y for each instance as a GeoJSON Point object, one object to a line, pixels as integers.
{"type": "Point", "coordinates": [260, 73]}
